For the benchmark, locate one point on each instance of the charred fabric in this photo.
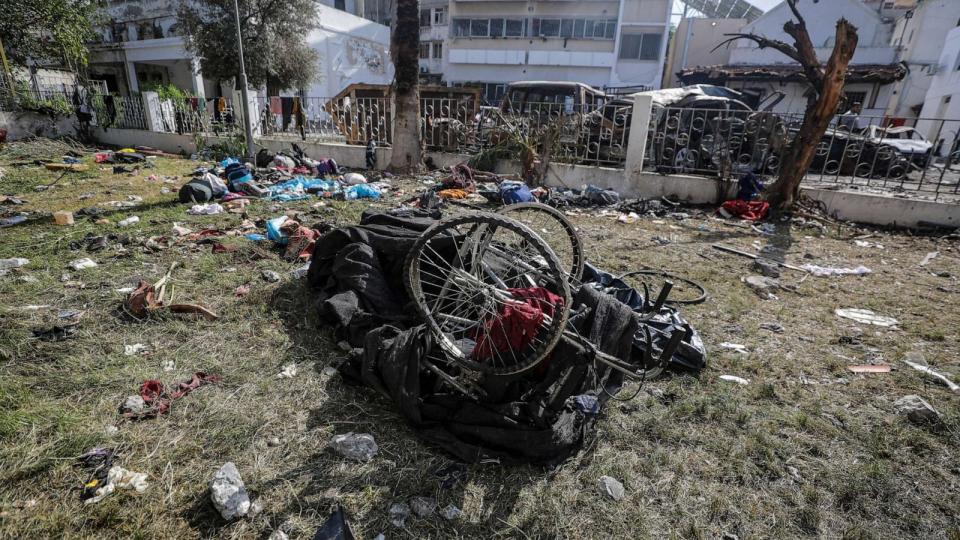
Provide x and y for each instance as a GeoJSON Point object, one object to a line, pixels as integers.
{"type": "Point", "coordinates": [490, 349]}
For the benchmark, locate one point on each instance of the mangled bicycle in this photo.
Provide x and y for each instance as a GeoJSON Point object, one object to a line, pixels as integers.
{"type": "Point", "coordinates": [497, 299]}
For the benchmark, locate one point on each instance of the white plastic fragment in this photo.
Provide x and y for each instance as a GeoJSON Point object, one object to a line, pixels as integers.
{"type": "Point", "coordinates": [451, 512]}
{"type": "Point", "coordinates": [119, 478]}
{"type": "Point", "coordinates": [423, 506]}
{"type": "Point", "coordinates": [136, 348]}
{"type": "Point", "coordinates": [735, 379]}
{"type": "Point", "coordinates": [289, 371]}
{"type": "Point", "coordinates": [16, 262]}
{"type": "Point", "coordinates": [929, 257]}
{"type": "Point", "coordinates": [228, 493]}
{"type": "Point", "coordinates": [399, 512]}
{"type": "Point", "coordinates": [865, 316]}
{"type": "Point", "coordinates": [742, 349]}
{"type": "Point", "coordinates": [825, 271]}
{"type": "Point", "coordinates": [916, 361]}
{"type": "Point", "coordinates": [81, 264]}
{"type": "Point", "coordinates": [129, 221]}
{"type": "Point", "coordinates": [205, 209]}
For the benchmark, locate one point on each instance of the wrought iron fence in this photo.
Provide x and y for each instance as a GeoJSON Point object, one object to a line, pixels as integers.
{"type": "Point", "coordinates": [568, 133]}
{"type": "Point", "coordinates": [869, 152]}
{"type": "Point", "coordinates": [351, 120]}
{"type": "Point", "coordinates": [119, 112]}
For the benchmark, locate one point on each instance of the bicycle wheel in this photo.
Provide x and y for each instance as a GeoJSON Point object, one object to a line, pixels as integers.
{"type": "Point", "coordinates": [491, 291]}
{"type": "Point", "coordinates": [555, 229]}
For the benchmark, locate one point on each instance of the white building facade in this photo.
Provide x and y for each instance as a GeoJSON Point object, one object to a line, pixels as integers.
{"type": "Point", "coordinates": [873, 70]}
{"type": "Point", "coordinates": [603, 43]}
{"type": "Point", "coordinates": [940, 114]}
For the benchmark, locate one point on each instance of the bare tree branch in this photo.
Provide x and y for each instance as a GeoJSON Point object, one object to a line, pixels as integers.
{"type": "Point", "coordinates": [796, 12]}
{"type": "Point", "coordinates": [763, 43]}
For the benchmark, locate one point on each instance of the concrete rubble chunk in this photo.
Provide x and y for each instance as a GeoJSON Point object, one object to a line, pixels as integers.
{"type": "Point", "coordinates": [762, 285]}
{"type": "Point", "coordinates": [355, 446]}
{"type": "Point", "coordinates": [423, 506]}
{"type": "Point", "coordinates": [612, 487]}
{"type": "Point", "coordinates": [228, 493]}
{"type": "Point", "coordinates": [916, 409]}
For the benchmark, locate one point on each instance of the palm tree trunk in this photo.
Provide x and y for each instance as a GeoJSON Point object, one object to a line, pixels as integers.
{"type": "Point", "coordinates": [405, 52]}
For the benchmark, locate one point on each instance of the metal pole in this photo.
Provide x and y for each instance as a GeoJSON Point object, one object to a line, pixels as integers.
{"type": "Point", "coordinates": [247, 126]}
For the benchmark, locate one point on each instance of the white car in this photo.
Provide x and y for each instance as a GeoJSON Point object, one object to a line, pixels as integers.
{"type": "Point", "coordinates": [905, 140]}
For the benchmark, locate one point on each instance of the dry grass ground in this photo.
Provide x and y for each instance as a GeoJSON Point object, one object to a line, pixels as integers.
{"type": "Point", "coordinates": [806, 449]}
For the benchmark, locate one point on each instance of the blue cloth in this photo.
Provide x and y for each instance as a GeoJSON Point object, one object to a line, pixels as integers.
{"type": "Point", "coordinates": [515, 192]}
{"type": "Point", "coordinates": [229, 161]}
{"type": "Point", "coordinates": [297, 188]}
{"type": "Point", "coordinates": [255, 237]}
{"type": "Point", "coordinates": [361, 191]}
{"type": "Point", "coordinates": [749, 187]}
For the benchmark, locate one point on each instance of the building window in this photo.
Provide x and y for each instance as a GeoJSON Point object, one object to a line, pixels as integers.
{"type": "Point", "coordinates": [425, 50]}
{"type": "Point", "coordinates": [513, 28]}
{"type": "Point", "coordinates": [437, 50]}
{"type": "Point", "coordinates": [340, 4]}
{"type": "Point", "coordinates": [640, 46]}
{"type": "Point", "coordinates": [574, 28]}
{"type": "Point", "coordinates": [853, 97]}
{"type": "Point", "coordinates": [439, 16]}
{"type": "Point", "coordinates": [480, 28]}
{"type": "Point", "coordinates": [424, 17]}
{"type": "Point", "coordinates": [461, 28]}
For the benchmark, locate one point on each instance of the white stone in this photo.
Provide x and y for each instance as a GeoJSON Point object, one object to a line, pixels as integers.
{"type": "Point", "coordinates": [228, 493]}
{"type": "Point", "coordinates": [612, 487]}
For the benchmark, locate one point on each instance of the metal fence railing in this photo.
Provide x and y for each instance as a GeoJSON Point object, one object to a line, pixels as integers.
{"type": "Point", "coordinates": [922, 156]}
{"type": "Point", "coordinates": [351, 120]}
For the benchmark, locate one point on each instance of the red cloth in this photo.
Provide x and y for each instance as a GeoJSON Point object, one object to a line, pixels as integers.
{"type": "Point", "coordinates": [751, 210]}
{"type": "Point", "coordinates": [301, 240]}
{"type": "Point", "coordinates": [516, 325]}
{"type": "Point", "coordinates": [155, 395]}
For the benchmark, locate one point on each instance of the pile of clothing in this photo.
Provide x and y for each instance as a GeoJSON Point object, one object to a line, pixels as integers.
{"type": "Point", "coordinates": [543, 415]}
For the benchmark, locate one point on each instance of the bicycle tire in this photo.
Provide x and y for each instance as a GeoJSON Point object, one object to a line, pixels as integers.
{"type": "Point", "coordinates": [576, 266]}
{"type": "Point", "coordinates": [559, 286]}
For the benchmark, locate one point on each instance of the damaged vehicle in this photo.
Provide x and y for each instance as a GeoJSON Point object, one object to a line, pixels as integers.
{"type": "Point", "coordinates": [714, 130]}
{"type": "Point", "coordinates": [907, 141]}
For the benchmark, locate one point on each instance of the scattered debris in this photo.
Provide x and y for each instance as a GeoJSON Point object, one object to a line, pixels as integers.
{"type": "Point", "coordinates": [399, 512]}
{"type": "Point", "coordinates": [273, 442]}
{"type": "Point", "coordinates": [776, 328]}
{"type": "Point", "coordinates": [228, 493]}
{"type": "Point", "coordinates": [423, 506]}
{"type": "Point", "coordinates": [742, 349]}
{"type": "Point", "coordinates": [63, 218]}
{"type": "Point", "coordinates": [289, 371]}
{"type": "Point", "coordinates": [301, 272]}
{"type": "Point", "coordinates": [278, 535]}
{"type": "Point", "coordinates": [205, 209]}
{"type": "Point", "coordinates": [270, 275]}
{"type": "Point", "coordinates": [56, 333]}
{"type": "Point", "coordinates": [929, 257]}
{"type": "Point", "coordinates": [169, 365]}
{"type": "Point", "coordinates": [355, 446]}
{"type": "Point", "coordinates": [451, 512]}
{"type": "Point", "coordinates": [136, 348]}
{"type": "Point", "coordinates": [753, 256]}
{"type": "Point", "coordinates": [81, 264]}
{"type": "Point", "coordinates": [329, 371]}
{"type": "Point", "coordinates": [336, 527]}
{"type": "Point", "coordinates": [612, 488]}
{"type": "Point", "coordinates": [917, 362]}
{"type": "Point", "coordinates": [763, 286]}
{"type": "Point", "coordinates": [241, 291]}
{"type": "Point", "coordinates": [157, 398]}
{"type": "Point", "coordinates": [766, 267]}
{"type": "Point", "coordinates": [117, 478]}
{"type": "Point", "coordinates": [870, 368]}
{"type": "Point", "coordinates": [128, 221]}
{"type": "Point", "coordinates": [826, 271]}
{"type": "Point", "coordinates": [865, 316]}
{"type": "Point", "coordinates": [916, 409]}
{"type": "Point", "coordinates": [180, 231]}
{"type": "Point", "coordinates": [865, 244]}
{"type": "Point", "coordinates": [735, 379]}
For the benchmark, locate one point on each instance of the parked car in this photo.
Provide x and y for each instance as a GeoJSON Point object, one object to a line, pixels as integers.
{"type": "Point", "coordinates": [905, 140]}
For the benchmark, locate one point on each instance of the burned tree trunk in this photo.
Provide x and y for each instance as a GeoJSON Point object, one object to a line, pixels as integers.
{"type": "Point", "coordinates": [826, 85]}
{"type": "Point", "coordinates": [405, 52]}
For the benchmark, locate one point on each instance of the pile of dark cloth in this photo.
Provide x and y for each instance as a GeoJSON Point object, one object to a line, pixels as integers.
{"type": "Point", "coordinates": [543, 415]}
{"type": "Point", "coordinates": [590, 196]}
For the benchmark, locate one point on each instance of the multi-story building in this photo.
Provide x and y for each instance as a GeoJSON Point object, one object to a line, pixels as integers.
{"type": "Point", "coordinates": [940, 115]}
{"type": "Point", "coordinates": [434, 31]}
{"type": "Point", "coordinates": [871, 77]}
{"type": "Point", "coordinates": [603, 43]}
{"type": "Point", "coordinates": [918, 37]}
{"type": "Point", "coordinates": [141, 45]}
